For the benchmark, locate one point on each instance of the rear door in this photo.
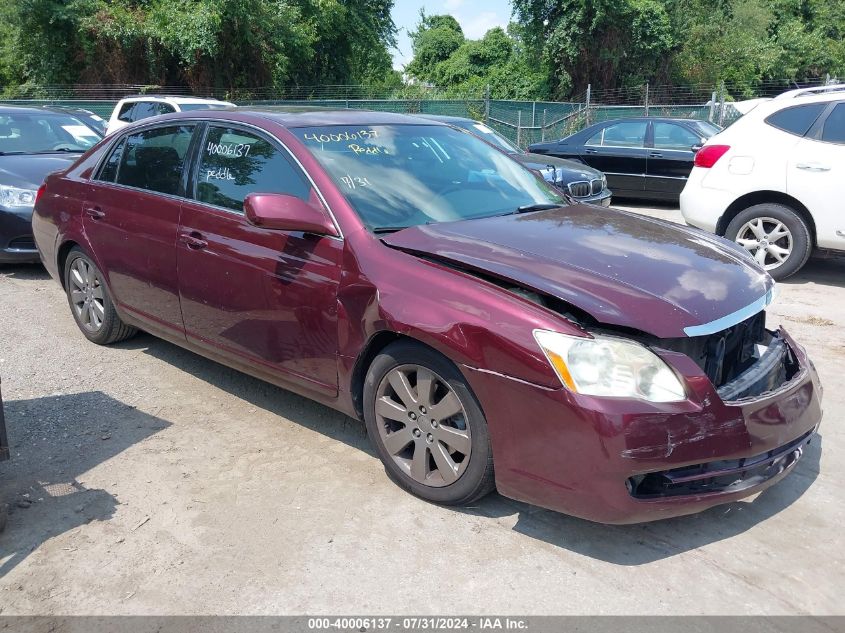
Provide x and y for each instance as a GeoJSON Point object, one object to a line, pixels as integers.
{"type": "Point", "coordinates": [816, 175]}
{"type": "Point", "coordinates": [619, 151]}
{"type": "Point", "coordinates": [131, 218]}
{"type": "Point", "coordinates": [261, 297]}
{"type": "Point", "coordinates": [670, 158]}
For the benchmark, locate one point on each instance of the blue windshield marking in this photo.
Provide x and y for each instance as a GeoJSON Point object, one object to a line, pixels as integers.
{"type": "Point", "coordinates": [731, 319]}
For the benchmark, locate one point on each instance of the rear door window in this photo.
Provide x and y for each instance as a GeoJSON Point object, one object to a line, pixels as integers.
{"type": "Point", "coordinates": [833, 130]}
{"type": "Point", "coordinates": [146, 109]}
{"type": "Point", "coordinates": [155, 159]}
{"type": "Point", "coordinates": [234, 163]}
{"type": "Point", "coordinates": [798, 119]}
{"type": "Point", "coordinates": [626, 134]}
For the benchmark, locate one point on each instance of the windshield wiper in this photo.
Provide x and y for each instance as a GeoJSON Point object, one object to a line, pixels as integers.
{"type": "Point", "coordinates": [390, 229]}
{"type": "Point", "coordinates": [58, 151]}
{"type": "Point", "coordinates": [541, 206]}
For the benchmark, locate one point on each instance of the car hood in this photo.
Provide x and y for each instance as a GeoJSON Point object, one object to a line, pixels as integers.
{"type": "Point", "coordinates": [29, 170]}
{"type": "Point", "coordinates": [621, 268]}
{"type": "Point", "coordinates": [568, 170]}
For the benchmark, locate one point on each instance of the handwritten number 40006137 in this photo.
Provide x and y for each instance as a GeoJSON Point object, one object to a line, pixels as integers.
{"type": "Point", "coordinates": [230, 150]}
{"type": "Point", "coordinates": [341, 137]}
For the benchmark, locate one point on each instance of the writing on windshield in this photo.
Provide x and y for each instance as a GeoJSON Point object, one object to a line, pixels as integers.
{"type": "Point", "coordinates": [406, 175]}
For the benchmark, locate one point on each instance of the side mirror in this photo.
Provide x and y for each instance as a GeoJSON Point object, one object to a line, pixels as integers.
{"type": "Point", "coordinates": [288, 213]}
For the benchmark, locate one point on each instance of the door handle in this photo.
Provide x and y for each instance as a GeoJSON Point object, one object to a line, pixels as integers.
{"type": "Point", "coordinates": [193, 240]}
{"type": "Point", "coordinates": [812, 167]}
{"type": "Point", "coordinates": [655, 155]}
{"type": "Point", "coordinates": [591, 151]}
{"type": "Point", "coordinates": [95, 213]}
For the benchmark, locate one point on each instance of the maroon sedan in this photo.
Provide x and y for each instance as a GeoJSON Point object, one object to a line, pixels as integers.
{"type": "Point", "coordinates": [489, 333]}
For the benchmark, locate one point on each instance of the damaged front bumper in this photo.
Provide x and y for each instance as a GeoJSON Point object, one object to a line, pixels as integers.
{"type": "Point", "coordinates": [624, 461]}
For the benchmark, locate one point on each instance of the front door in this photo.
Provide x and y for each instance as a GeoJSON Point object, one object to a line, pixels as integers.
{"type": "Point", "coordinates": [131, 218]}
{"type": "Point", "coordinates": [258, 296]}
{"type": "Point", "coordinates": [670, 159]}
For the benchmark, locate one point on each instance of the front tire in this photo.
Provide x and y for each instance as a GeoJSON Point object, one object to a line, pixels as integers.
{"type": "Point", "coordinates": [775, 235]}
{"type": "Point", "coordinates": [427, 426]}
{"type": "Point", "coordinates": [90, 301]}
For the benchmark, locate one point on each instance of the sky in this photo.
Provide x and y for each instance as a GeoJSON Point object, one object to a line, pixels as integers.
{"type": "Point", "coordinates": [476, 17]}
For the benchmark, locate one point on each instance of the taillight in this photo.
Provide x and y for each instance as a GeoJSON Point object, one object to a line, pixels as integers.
{"type": "Point", "coordinates": [708, 155]}
{"type": "Point", "coordinates": [39, 193]}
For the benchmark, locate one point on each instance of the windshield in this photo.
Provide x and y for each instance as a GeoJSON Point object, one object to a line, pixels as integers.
{"type": "Point", "coordinates": [44, 132]}
{"type": "Point", "coordinates": [397, 176]}
{"type": "Point", "coordinates": [185, 107]}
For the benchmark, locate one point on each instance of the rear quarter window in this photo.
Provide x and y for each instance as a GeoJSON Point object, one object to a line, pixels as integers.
{"type": "Point", "coordinates": [797, 119]}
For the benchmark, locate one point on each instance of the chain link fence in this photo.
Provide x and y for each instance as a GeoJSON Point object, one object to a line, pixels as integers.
{"type": "Point", "coordinates": [523, 122]}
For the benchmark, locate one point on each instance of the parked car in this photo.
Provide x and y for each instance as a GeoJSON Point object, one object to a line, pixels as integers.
{"type": "Point", "coordinates": [579, 181]}
{"type": "Point", "coordinates": [774, 181]}
{"type": "Point", "coordinates": [91, 119]}
{"type": "Point", "coordinates": [612, 367]}
{"type": "Point", "coordinates": [648, 158]}
{"type": "Point", "coordinates": [131, 109]}
{"type": "Point", "coordinates": [33, 143]}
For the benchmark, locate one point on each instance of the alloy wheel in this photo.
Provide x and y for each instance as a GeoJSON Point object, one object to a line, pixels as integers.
{"type": "Point", "coordinates": [423, 425]}
{"type": "Point", "coordinates": [767, 239]}
{"type": "Point", "coordinates": [86, 294]}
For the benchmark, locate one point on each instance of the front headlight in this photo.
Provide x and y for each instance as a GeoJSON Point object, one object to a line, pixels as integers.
{"type": "Point", "coordinates": [609, 366]}
{"type": "Point", "coordinates": [12, 197]}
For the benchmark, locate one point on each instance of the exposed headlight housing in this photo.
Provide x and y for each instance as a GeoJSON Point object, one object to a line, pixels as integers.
{"type": "Point", "coordinates": [610, 367]}
{"type": "Point", "coordinates": [15, 198]}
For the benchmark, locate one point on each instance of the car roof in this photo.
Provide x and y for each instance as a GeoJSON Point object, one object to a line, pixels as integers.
{"type": "Point", "coordinates": [8, 109]}
{"type": "Point", "coordinates": [668, 119]}
{"type": "Point", "coordinates": [174, 99]}
{"type": "Point", "coordinates": [815, 94]}
{"type": "Point", "coordinates": [447, 118]}
{"type": "Point", "coordinates": [305, 116]}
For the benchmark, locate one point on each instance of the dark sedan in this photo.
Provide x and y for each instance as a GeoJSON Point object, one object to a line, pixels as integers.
{"type": "Point", "coordinates": [613, 367]}
{"type": "Point", "coordinates": [649, 157]}
{"type": "Point", "coordinates": [33, 143]}
{"type": "Point", "coordinates": [575, 178]}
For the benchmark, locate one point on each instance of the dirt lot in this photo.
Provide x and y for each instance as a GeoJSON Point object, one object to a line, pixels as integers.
{"type": "Point", "coordinates": [145, 479]}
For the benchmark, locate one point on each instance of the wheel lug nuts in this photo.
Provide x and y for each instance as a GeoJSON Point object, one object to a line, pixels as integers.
{"type": "Point", "coordinates": [429, 438]}
{"type": "Point", "coordinates": [434, 424]}
{"type": "Point", "coordinates": [422, 409]}
{"type": "Point", "coordinates": [412, 415]}
{"type": "Point", "coordinates": [416, 432]}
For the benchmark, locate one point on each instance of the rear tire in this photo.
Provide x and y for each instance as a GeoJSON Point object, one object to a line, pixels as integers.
{"type": "Point", "coordinates": [775, 235]}
{"type": "Point", "coordinates": [90, 301]}
{"type": "Point", "coordinates": [430, 432]}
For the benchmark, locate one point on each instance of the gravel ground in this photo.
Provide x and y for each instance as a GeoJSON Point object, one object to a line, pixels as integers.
{"type": "Point", "coordinates": [147, 480]}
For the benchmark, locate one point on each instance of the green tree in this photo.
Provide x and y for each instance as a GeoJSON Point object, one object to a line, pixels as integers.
{"type": "Point", "coordinates": [608, 43]}
{"type": "Point", "coordinates": [227, 45]}
{"type": "Point", "coordinates": [435, 39]}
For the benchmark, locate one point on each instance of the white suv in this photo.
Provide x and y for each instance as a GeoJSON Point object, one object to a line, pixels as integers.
{"type": "Point", "coordinates": [133, 109]}
{"type": "Point", "coordinates": [774, 181]}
